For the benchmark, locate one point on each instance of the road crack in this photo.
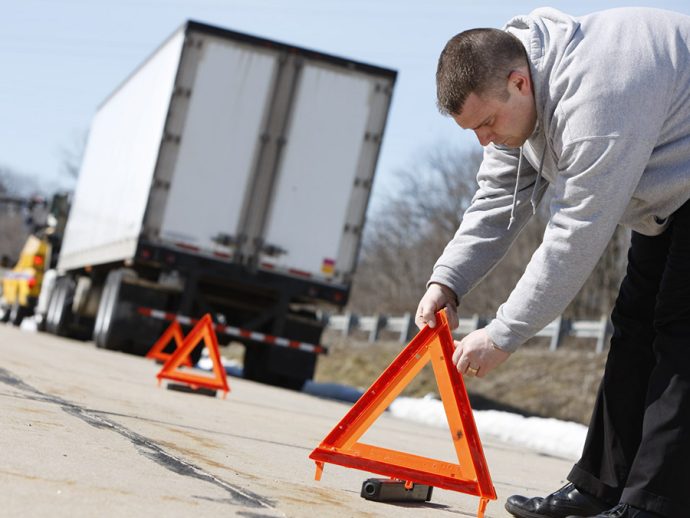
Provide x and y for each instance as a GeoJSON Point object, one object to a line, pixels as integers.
{"type": "Point", "coordinates": [146, 447]}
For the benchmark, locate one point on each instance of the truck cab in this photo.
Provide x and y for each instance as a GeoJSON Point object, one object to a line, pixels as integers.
{"type": "Point", "coordinates": [22, 284]}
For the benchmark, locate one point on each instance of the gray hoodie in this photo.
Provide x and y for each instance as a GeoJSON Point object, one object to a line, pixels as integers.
{"type": "Point", "coordinates": [612, 92]}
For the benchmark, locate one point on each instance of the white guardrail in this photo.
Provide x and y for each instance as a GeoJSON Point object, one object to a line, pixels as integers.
{"type": "Point", "coordinates": [405, 328]}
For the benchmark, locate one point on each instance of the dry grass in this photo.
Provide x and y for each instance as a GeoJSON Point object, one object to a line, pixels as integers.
{"type": "Point", "coordinates": [534, 381]}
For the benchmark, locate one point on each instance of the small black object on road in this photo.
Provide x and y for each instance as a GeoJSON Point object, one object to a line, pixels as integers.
{"type": "Point", "coordinates": [391, 490]}
{"type": "Point", "coordinates": [185, 388]}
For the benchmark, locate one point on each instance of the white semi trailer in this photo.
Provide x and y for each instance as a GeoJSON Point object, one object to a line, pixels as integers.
{"type": "Point", "coordinates": [227, 174]}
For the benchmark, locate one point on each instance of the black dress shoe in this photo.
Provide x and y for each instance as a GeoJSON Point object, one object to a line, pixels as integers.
{"type": "Point", "coordinates": [622, 511]}
{"type": "Point", "coordinates": [567, 501]}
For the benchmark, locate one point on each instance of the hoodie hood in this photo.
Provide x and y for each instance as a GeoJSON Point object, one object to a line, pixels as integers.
{"type": "Point", "coordinates": [545, 28]}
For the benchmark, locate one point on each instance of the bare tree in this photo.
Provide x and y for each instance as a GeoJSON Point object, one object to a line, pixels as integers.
{"type": "Point", "coordinates": [15, 183]}
{"type": "Point", "coordinates": [72, 156]}
{"type": "Point", "coordinates": [13, 227]}
{"type": "Point", "coordinates": [407, 234]}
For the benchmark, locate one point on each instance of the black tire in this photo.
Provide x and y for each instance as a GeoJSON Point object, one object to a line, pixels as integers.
{"type": "Point", "coordinates": [4, 314]}
{"type": "Point", "coordinates": [17, 313]}
{"type": "Point", "coordinates": [59, 314]}
{"type": "Point", "coordinates": [113, 309]}
{"type": "Point", "coordinates": [282, 366]}
{"type": "Point", "coordinates": [48, 286]}
{"type": "Point", "coordinates": [51, 308]}
{"type": "Point", "coordinates": [271, 364]}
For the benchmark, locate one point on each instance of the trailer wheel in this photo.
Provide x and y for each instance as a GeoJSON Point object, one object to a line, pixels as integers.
{"type": "Point", "coordinates": [107, 333]}
{"type": "Point", "coordinates": [59, 313]}
{"type": "Point", "coordinates": [47, 289]}
{"type": "Point", "coordinates": [17, 313]}
{"type": "Point", "coordinates": [284, 366]}
{"type": "Point", "coordinates": [279, 366]}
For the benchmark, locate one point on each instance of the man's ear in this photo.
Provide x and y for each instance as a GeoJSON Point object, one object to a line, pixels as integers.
{"type": "Point", "coordinates": [521, 81]}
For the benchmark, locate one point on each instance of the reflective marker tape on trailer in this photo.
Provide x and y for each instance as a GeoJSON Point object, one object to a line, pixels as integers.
{"type": "Point", "coordinates": [235, 331]}
{"type": "Point", "coordinates": [290, 271]}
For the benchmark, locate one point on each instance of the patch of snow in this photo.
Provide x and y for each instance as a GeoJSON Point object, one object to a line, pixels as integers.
{"type": "Point", "coordinates": [29, 324]}
{"type": "Point", "coordinates": [544, 435]}
{"type": "Point", "coordinates": [232, 367]}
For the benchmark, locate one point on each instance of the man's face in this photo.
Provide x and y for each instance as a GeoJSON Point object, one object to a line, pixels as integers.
{"type": "Point", "coordinates": [508, 123]}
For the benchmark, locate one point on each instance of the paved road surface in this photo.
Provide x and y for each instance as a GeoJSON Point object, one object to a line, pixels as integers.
{"type": "Point", "coordinates": [86, 432]}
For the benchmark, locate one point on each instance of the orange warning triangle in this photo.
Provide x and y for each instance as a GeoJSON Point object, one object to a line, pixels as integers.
{"type": "Point", "coordinates": [173, 332]}
{"type": "Point", "coordinates": [203, 330]}
{"type": "Point", "coordinates": [470, 475]}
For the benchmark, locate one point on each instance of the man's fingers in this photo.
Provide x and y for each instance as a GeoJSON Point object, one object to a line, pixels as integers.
{"type": "Point", "coordinates": [430, 317]}
{"type": "Point", "coordinates": [462, 360]}
{"type": "Point", "coordinates": [465, 358]}
{"type": "Point", "coordinates": [435, 298]}
{"type": "Point", "coordinates": [468, 368]}
{"type": "Point", "coordinates": [476, 355]}
{"type": "Point", "coordinates": [457, 353]}
{"type": "Point", "coordinates": [465, 366]}
{"type": "Point", "coordinates": [426, 318]}
{"type": "Point", "coordinates": [419, 318]}
{"type": "Point", "coordinates": [425, 315]}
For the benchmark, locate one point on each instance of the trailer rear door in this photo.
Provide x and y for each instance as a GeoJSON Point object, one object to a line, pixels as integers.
{"type": "Point", "coordinates": [228, 102]}
{"type": "Point", "coordinates": [324, 176]}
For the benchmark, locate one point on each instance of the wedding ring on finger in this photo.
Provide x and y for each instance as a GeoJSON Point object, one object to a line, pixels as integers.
{"type": "Point", "coordinates": [472, 370]}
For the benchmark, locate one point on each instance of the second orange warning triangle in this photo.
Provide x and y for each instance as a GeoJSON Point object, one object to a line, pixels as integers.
{"type": "Point", "coordinates": [172, 333]}
{"type": "Point", "coordinates": [202, 331]}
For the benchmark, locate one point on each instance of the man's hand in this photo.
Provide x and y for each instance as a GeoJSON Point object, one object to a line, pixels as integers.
{"type": "Point", "coordinates": [477, 355]}
{"type": "Point", "coordinates": [436, 298]}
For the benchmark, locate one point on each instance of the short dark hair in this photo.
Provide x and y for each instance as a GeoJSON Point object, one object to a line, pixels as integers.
{"type": "Point", "coordinates": [479, 61]}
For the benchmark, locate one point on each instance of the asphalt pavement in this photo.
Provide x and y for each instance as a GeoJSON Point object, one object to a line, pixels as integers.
{"type": "Point", "coordinates": [88, 432]}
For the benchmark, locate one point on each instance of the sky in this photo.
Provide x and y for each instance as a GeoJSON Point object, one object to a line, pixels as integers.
{"type": "Point", "coordinates": [61, 58]}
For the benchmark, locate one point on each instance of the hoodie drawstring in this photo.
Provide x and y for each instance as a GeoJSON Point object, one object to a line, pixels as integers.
{"type": "Point", "coordinates": [533, 197]}
{"type": "Point", "coordinates": [535, 190]}
{"type": "Point", "coordinates": [517, 182]}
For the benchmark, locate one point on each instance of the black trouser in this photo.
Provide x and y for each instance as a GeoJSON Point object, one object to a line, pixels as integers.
{"type": "Point", "coordinates": [638, 444]}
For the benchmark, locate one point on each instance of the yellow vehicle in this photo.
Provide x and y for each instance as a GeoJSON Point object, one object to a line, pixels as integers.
{"type": "Point", "coordinates": [22, 285]}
